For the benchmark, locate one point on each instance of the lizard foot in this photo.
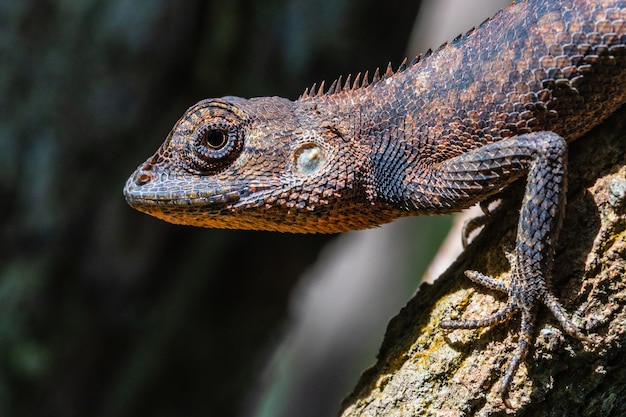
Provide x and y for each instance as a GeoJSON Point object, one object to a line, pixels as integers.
{"type": "Point", "coordinates": [525, 302]}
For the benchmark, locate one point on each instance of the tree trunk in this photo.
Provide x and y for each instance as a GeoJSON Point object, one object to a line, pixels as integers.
{"type": "Point", "coordinates": [424, 371]}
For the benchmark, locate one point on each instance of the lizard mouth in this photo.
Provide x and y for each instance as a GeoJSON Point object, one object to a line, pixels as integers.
{"type": "Point", "coordinates": [217, 201]}
{"type": "Point", "coordinates": [148, 194]}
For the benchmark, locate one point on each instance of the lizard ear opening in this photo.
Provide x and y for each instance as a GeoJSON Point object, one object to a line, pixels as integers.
{"type": "Point", "coordinates": [309, 158]}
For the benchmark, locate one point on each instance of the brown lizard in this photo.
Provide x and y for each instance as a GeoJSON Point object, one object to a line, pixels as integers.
{"type": "Point", "coordinates": [438, 135]}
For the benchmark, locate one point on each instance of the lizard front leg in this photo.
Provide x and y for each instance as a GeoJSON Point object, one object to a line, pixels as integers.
{"type": "Point", "coordinates": [542, 156]}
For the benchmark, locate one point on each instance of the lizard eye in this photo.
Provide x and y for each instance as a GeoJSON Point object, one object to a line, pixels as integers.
{"type": "Point", "coordinates": [215, 139]}
{"type": "Point", "coordinates": [215, 146]}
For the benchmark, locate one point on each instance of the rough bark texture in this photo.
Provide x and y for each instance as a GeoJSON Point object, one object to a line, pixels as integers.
{"type": "Point", "coordinates": [423, 370]}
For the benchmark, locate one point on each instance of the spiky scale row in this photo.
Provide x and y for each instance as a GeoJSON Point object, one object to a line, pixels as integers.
{"type": "Point", "coordinates": [338, 86]}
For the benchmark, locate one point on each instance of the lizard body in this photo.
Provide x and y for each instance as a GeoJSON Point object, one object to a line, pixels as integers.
{"type": "Point", "coordinates": [497, 104]}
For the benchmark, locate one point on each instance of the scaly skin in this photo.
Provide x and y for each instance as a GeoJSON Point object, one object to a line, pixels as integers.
{"type": "Point", "coordinates": [497, 104]}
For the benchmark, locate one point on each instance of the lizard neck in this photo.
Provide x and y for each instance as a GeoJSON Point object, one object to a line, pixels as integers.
{"type": "Point", "coordinates": [377, 138]}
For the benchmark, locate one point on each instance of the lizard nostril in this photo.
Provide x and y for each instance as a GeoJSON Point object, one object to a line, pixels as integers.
{"type": "Point", "coordinates": [143, 177]}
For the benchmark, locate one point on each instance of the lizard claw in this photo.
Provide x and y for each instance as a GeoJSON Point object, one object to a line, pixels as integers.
{"type": "Point", "coordinates": [476, 223]}
{"type": "Point", "coordinates": [470, 226]}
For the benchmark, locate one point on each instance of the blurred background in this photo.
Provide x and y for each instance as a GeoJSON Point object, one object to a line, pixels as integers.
{"type": "Point", "coordinates": [107, 312]}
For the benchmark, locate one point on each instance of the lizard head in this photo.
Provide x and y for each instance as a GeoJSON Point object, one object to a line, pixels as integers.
{"type": "Point", "coordinates": [263, 163]}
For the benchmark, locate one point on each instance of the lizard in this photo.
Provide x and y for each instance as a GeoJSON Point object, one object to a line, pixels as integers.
{"type": "Point", "coordinates": [455, 127]}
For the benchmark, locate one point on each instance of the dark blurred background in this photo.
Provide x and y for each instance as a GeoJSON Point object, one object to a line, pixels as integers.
{"type": "Point", "coordinates": [105, 311]}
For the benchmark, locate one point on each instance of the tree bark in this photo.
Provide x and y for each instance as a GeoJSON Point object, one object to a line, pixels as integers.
{"type": "Point", "coordinates": [422, 370]}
